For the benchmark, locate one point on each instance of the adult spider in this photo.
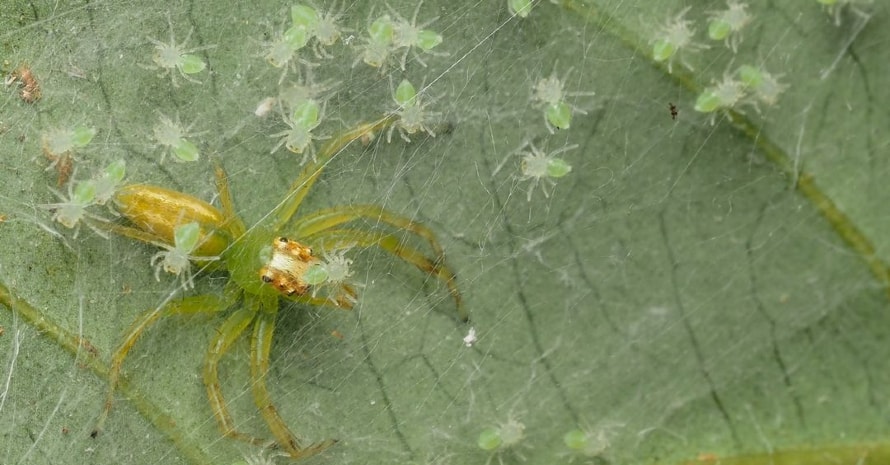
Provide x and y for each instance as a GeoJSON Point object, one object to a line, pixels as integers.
{"type": "Point", "coordinates": [264, 266]}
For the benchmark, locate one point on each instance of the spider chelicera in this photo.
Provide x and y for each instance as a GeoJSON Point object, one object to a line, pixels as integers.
{"type": "Point", "coordinates": [265, 262]}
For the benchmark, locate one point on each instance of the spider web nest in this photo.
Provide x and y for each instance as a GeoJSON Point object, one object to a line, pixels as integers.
{"type": "Point", "coordinates": [675, 295]}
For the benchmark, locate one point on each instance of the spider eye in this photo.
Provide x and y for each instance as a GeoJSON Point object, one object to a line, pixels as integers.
{"type": "Point", "coordinates": [282, 240]}
{"type": "Point", "coordinates": [267, 279]}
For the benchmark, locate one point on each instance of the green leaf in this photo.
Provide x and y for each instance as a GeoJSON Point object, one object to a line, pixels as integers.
{"type": "Point", "coordinates": [688, 293]}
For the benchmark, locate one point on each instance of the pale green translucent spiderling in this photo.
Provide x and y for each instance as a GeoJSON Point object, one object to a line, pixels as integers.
{"type": "Point", "coordinates": [382, 30]}
{"type": "Point", "coordinates": [559, 116]}
{"type": "Point", "coordinates": [542, 168]}
{"type": "Point", "coordinates": [177, 259]}
{"type": "Point", "coordinates": [332, 274]}
{"type": "Point", "coordinates": [172, 56]}
{"type": "Point", "coordinates": [304, 16]}
{"type": "Point", "coordinates": [724, 95]}
{"type": "Point", "coordinates": [108, 181]}
{"type": "Point", "coordinates": [378, 46]}
{"type": "Point", "coordinates": [550, 94]}
{"type": "Point", "coordinates": [296, 38]}
{"type": "Point", "coordinates": [406, 94]}
{"type": "Point", "coordinates": [72, 209]}
{"type": "Point", "coordinates": [489, 439]}
{"type": "Point", "coordinates": [765, 86]}
{"type": "Point", "coordinates": [322, 26]}
{"type": "Point", "coordinates": [673, 39]}
{"type": "Point", "coordinates": [57, 142]}
{"type": "Point", "coordinates": [171, 137]}
{"type": "Point", "coordinates": [408, 34]}
{"type": "Point", "coordinates": [727, 25]}
{"type": "Point", "coordinates": [501, 437]}
{"type": "Point", "coordinates": [307, 115]}
{"type": "Point", "coordinates": [586, 443]}
{"type": "Point", "coordinates": [519, 8]}
{"type": "Point", "coordinates": [413, 116]}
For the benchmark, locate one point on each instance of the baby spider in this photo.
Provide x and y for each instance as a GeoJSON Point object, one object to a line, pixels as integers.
{"type": "Point", "coordinates": [408, 35]}
{"type": "Point", "coordinates": [73, 208]}
{"type": "Point", "coordinates": [57, 142]}
{"type": "Point", "coordinates": [176, 259]}
{"type": "Point", "coordinates": [675, 37]}
{"type": "Point", "coordinates": [264, 267]}
{"type": "Point", "coordinates": [332, 273]}
{"type": "Point", "coordinates": [501, 439]}
{"type": "Point", "coordinates": [171, 137]}
{"type": "Point", "coordinates": [727, 25]}
{"type": "Point", "coordinates": [298, 139]}
{"type": "Point", "coordinates": [379, 43]}
{"type": "Point", "coordinates": [724, 95]}
{"type": "Point", "coordinates": [412, 116]}
{"type": "Point", "coordinates": [765, 86]}
{"type": "Point", "coordinates": [109, 180]}
{"type": "Point", "coordinates": [322, 26]}
{"type": "Point", "coordinates": [172, 56]}
{"type": "Point", "coordinates": [542, 168]}
{"type": "Point", "coordinates": [550, 95]}
{"type": "Point", "coordinates": [519, 8]}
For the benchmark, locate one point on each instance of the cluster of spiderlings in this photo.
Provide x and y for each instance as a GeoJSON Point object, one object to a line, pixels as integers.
{"type": "Point", "coordinates": [298, 138]}
{"type": "Point", "coordinates": [172, 58]}
{"type": "Point", "coordinates": [72, 208]}
{"type": "Point", "coordinates": [413, 117]}
{"type": "Point", "coordinates": [551, 96]}
{"type": "Point", "coordinates": [674, 39]}
{"type": "Point", "coordinates": [333, 274]}
{"type": "Point", "coordinates": [172, 138]}
{"type": "Point", "coordinates": [177, 259]}
{"type": "Point", "coordinates": [727, 25]}
{"type": "Point", "coordinates": [540, 168]}
{"type": "Point", "coordinates": [520, 8]}
{"type": "Point", "coordinates": [754, 86]}
{"type": "Point", "coordinates": [387, 35]}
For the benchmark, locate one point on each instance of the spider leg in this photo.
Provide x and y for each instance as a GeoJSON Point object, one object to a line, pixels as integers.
{"type": "Point", "coordinates": [328, 218]}
{"type": "Point", "coordinates": [310, 173]}
{"type": "Point", "coordinates": [190, 305]}
{"type": "Point", "coordinates": [226, 335]}
{"type": "Point", "coordinates": [336, 239]}
{"type": "Point", "coordinates": [260, 346]}
{"type": "Point", "coordinates": [233, 222]}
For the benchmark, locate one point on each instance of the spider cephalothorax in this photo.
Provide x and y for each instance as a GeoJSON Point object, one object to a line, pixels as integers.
{"type": "Point", "coordinates": [287, 266]}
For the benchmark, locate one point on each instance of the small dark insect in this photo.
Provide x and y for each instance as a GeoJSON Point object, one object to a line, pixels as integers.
{"type": "Point", "coordinates": [65, 430]}
{"type": "Point", "coordinates": [30, 92]}
{"type": "Point", "coordinates": [674, 111]}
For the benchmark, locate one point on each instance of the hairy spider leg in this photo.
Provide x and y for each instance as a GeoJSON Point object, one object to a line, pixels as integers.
{"type": "Point", "coordinates": [260, 347]}
{"type": "Point", "coordinates": [226, 335]}
{"type": "Point", "coordinates": [315, 227]}
{"type": "Point", "coordinates": [189, 305]}
{"type": "Point", "coordinates": [310, 173]}
{"type": "Point", "coordinates": [336, 239]}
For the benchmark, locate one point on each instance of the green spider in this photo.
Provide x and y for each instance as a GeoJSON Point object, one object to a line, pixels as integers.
{"type": "Point", "coordinates": [264, 266]}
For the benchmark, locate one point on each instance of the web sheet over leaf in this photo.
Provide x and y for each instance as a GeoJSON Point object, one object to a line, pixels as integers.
{"type": "Point", "coordinates": [677, 291]}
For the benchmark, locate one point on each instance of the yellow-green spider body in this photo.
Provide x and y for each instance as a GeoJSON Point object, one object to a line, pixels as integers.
{"type": "Point", "coordinates": [280, 257]}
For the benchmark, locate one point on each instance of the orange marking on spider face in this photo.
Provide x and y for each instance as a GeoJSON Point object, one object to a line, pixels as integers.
{"type": "Point", "coordinates": [288, 265]}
